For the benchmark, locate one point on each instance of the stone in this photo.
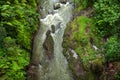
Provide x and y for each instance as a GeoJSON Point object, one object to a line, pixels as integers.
{"type": "Point", "coordinates": [48, 46]}
{"type": "Point", "coordinates": [58, 25]}
{"type": "Point", "coordinates": [53, 28]}
{"type": "Point", "coordinates": [63, 1]}
{"type": "Point", "coordinates": [56, 6]}
{"type": "Point", "coordinates": [50, 12]}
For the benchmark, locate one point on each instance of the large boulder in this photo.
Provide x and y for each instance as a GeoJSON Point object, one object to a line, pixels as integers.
{"type": "Point", "coordinates": [48, 46]}
{"type": "Point", "coordinates": [56, 5]}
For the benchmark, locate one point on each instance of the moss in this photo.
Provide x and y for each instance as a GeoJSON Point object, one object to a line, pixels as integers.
{"type": "Point", "coordinates": [90, 76]}
{"type": "Point", "coordinates": [77, 36]}
{"type": "Point", "coordinates": [78, 9]}
{"type": "Point", "coordinates": [81, 34]}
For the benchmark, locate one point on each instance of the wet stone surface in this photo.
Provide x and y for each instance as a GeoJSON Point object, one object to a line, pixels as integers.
{"type": "Point", "coordinates": [56, 6]}
{"type": "Point", "coordinates": [48, 46]}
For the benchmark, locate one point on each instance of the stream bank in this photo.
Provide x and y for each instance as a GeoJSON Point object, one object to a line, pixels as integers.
{"type": "Point", "coordinates": [84, 49]}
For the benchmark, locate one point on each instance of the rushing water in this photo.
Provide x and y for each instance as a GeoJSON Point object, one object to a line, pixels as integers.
{"type": "Point", "coordinates": [57, 67]}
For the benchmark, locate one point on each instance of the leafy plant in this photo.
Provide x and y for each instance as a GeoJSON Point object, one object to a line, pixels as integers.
{"type": "Point", "coordinates": [19, 20]}
{"type": "Point", "coordinates": [13, 60]}
{"type": "Point", "coordinates": [117, 76]}
{"type": "Point", "coordinates": [112, 49]}
{"type": "Point", "coordinates": [107, 15]}
{"type": "Point", "coordinates": [84, 3]}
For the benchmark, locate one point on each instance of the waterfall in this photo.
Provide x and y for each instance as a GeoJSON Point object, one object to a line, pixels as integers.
{"type": "Point", "coordinates": [50, 36]}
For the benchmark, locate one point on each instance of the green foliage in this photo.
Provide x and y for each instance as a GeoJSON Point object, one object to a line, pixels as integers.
{"type": "Point", "coordinates": [112, 49]}
{"type": "Point", "coordinates": [117, 76]}
{"type": "Point", "coordinates": [81, 29]}
{"type": "Point", "coordinates": [13, 60]}
{"type": "Point", "coordinates": [18, 22]}
{"type": "Point", "coordinates": [84, 3]}
{"type": "Point", "coordinates": [2, 35]}
{"type": "Point", "coordinates": [77, 37]}
{"type": "Point", "coordinates": [80, 38]}
{"type": "Point", "coordinates": [107, 16]}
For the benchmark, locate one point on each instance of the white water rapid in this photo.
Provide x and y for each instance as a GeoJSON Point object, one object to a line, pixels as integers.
{"type": "Point", "coordinates": [57, 67]}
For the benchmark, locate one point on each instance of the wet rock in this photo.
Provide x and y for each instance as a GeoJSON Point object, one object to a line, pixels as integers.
{"type": "Point", "coordinates": [48, 45]}
{"type": "Point", "coordinates": [32, 72]}
{"type": "Point", "coordinates": [50, 12]}
{"type": "Point", "coordinates": [74, 54]}
{"type": "Point", "coordinates": [48, 33]}
{"type": "Point", "coordinates": [63, 1]}
{"type": "Point", "coordinates": [58, 25]}
{"type": "Point", "coordinates": [53, 28]}
{"type": "Point", "coordinates": [79, 71]}
{"type": "Point", "coordinates": [56, 6]}
{"type": "Point", "coordinates": [76, 66]}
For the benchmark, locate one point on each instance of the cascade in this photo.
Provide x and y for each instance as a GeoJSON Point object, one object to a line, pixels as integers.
{"type": "Point", "coordinates": [47, 48]}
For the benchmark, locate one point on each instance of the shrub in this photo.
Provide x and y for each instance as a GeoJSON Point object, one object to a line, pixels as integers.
{"type": "Point", "coordinates": [112, 49]}
{"type": "Point", "coordinates": [107, 15]}
{"type": "Point", "coordinates": [13, 60]}
{"type": "Point", "coordinates": [19, 20]}
{"type": "Point", "coordinates": [117, 76]}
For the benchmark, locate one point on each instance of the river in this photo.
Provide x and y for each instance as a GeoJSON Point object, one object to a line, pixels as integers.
{"type": "Point", "coordinates": [47, 46]}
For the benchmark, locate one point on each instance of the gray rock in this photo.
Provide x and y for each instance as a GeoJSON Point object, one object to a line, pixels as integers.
{"type": "Point", "coordinates": [53, 28]}
{"type": "Point", "coordinates": [48, 46]}
{"type": "Point", "coordinates": [56, 6]}
{"type": "Point", "coordinates": [50, 12]}
{"type": "Point", "coordinates": [59, 25]}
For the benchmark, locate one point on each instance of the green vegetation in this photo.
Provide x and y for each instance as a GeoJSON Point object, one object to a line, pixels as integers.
{"type": "Point", "coordinates": [77, 36]}
{"type": "Point", "coordinates": [117, 77]}
{"type": "Point", "coordinates": [81, 34]}
{"type": "Point", "coordinates": [84, 3]}
{"type": "Point", "coordinates": [107, 17]}
{"type": "Point", "coordinates": [112, 49]}
{"type": "Point", "coordinates": [104, 31]}
{"type": "Point", "coordinates": [18, 23]}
